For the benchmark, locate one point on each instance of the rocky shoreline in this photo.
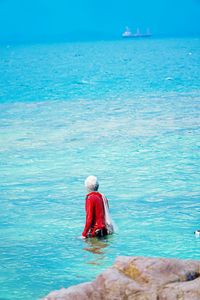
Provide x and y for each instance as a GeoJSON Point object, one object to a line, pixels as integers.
{"type": "Point", "coordinates": [139, 278]}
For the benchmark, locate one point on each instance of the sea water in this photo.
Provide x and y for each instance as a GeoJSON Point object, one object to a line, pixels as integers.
{"type": "Point", "coordinates": [126, 111]}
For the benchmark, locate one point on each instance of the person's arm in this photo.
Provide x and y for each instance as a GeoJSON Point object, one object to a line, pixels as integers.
{"type": "Point", "coordinates": [106, 200]}
{"type": "Point", "coordinates": [89, 216]}
{"type": "Point", "coordinates": [107, 203]}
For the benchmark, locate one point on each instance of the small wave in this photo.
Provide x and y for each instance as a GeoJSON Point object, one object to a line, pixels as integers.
{"type": "Point", "coordinates": [169, 78]}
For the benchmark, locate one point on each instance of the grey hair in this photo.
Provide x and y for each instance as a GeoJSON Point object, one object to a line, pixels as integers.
{"type": "Point", "coordinates": [91, 183]}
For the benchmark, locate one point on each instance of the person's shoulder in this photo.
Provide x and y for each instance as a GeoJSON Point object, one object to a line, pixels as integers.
{"type": "Point", "coordinates": [93, 196]}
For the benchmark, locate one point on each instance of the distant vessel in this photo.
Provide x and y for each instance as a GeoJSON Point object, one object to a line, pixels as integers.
{"type": "Point", "coordinates": [128, 34]}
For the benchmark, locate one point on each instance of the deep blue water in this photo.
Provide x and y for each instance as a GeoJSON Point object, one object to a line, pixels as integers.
{"type": "Point", "coordinates": [125, 111]}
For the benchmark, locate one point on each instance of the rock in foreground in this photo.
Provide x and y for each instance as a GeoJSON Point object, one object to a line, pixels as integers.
{"type": "Point", "coordinates": [139, 278]}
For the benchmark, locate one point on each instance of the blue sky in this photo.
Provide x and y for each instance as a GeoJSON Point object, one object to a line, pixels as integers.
{"type": "Point", "coordinates": [27, 20]}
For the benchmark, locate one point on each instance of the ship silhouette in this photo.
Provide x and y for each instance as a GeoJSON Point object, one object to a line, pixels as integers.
{"type": "Point", "coordinates": [128, 34]}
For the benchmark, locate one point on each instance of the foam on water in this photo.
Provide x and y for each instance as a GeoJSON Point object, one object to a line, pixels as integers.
{"type": "Point", "coordinates": [106, 108]}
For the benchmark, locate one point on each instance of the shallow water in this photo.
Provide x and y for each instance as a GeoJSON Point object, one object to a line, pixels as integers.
{"type": "Point", "coordinates": [126, 111]}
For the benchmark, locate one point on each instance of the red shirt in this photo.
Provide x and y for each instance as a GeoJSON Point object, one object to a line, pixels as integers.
{"type": "Point", "coordinates": [94, 213]}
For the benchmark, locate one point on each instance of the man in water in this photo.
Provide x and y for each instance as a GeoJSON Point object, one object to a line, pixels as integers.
{"type": "Point", "coordinates": [95, 225]}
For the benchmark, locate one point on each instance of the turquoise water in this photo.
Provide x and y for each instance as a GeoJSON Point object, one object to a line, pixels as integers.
{"type": "Point", "coordinates": [126, 111]}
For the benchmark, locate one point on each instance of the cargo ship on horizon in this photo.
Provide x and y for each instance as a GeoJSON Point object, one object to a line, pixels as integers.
{"type": "Point", "coordinates": [128, 34]}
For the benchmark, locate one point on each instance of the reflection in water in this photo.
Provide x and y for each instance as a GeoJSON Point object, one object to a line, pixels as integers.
{"type": "Point", "coordinates": [96, 246]}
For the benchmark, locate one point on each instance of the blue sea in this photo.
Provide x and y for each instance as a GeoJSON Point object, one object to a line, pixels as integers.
{"type": "Point", "coordinates": [126, 111]}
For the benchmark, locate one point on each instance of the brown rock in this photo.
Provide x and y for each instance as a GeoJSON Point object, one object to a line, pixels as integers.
{"type": "Point", "coordinates": [139, 278]}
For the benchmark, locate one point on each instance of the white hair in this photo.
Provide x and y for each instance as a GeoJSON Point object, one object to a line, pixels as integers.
{"type": "Point", "coordinates": [91, 183]}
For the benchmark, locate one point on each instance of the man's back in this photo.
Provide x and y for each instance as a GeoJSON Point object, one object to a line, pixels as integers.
{"type": "Point", "coordinates": [95, 216]}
